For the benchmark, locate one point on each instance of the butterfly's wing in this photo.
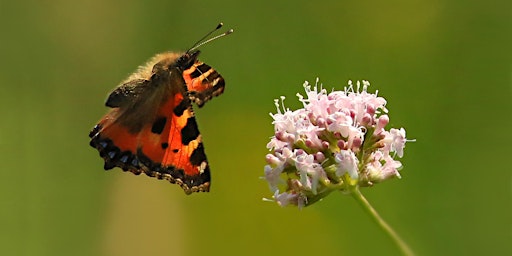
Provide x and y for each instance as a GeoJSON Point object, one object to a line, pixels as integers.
{"type": "Point", "coordinates": [126, 93]}
{"type": "Point", "coordinates": [152, 129]}
{"type": "Point", "coordinates": [203, 82]}
{"type": "Point", "coordinates": [171, 147]}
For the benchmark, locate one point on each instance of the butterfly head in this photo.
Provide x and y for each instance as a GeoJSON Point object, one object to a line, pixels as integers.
{"type": "Point", "coordinates": [186, 60]}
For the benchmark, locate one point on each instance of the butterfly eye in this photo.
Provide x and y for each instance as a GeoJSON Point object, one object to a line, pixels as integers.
{"type": "Point", "coordinates": [181, 59]}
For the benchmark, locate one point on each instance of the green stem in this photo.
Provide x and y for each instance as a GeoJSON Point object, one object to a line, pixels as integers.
{"type": "Point", "coordinates": [376, 217]}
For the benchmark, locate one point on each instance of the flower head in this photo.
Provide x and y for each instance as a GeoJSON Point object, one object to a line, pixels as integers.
{"type": "Point", "coordinates": [336, 141]}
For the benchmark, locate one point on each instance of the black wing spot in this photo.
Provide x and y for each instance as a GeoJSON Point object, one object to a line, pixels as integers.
{"type": "Point", "coordinates": [195, 74]}
{"type": "Point", "coordinates": [158, 125]}
{"type": "Point", "coordinates": [180, 109]}
{"type": "Point", "coordinates": [203, 68]}
{"type": "Point", "coordinates": [190, 132]}
{"type": "Point", "coordinates": [198, 156]}
{"type": "Point", "coordinates": [165, 145]}
{"type": "Point", "coordinates": [212, 76]}
{"type": "Point", "coordinates": [175, 150]}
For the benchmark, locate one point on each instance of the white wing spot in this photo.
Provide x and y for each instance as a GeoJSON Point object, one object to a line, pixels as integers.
{"type": "Point", "coordinates": [202, 167]}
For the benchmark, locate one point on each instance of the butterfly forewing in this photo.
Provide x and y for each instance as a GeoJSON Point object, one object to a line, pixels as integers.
{"type": "Point", "coordinates": [203, 83]}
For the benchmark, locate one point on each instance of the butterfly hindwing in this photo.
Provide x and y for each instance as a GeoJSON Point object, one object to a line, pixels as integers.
{"type": "Point", "coordinates": [171, 147]}
{"type": "Point", "coordinates": [151, 127]}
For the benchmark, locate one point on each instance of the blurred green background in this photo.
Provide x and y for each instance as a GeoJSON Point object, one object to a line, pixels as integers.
{"type": "Point", "coordinates": [444, 67]}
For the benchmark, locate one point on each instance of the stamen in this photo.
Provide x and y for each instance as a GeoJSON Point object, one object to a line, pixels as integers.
{"type": "Point", "coordinates": [282, 103]}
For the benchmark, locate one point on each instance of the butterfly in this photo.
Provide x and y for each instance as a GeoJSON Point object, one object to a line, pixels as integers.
{"type": "Point", "coordinates": [151, 127]}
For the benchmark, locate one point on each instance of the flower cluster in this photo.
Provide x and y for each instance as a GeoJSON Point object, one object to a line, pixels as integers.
{"type": "Point", "coordinates": [338, 141]}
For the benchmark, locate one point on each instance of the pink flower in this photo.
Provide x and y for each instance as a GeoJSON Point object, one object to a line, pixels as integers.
{"type": "Point", "coordinates": [398, 141]}
{"type": "Point", "coordinates": [382, 167]}
{"type": "Point", "coordinates": [347, 163]}
{"type": "Point", "coordinates": [325, 146]}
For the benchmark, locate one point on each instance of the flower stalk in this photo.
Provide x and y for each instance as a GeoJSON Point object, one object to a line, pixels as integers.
{"type": "Point", "coordinates": [383, 224]}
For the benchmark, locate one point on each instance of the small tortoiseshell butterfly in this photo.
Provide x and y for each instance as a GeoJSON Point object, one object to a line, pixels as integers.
{"type": "Point", "coordinates": [151, 127]}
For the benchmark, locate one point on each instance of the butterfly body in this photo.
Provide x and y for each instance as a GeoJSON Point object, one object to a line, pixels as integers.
{"type": "Point", "coordinates": [151, 127]}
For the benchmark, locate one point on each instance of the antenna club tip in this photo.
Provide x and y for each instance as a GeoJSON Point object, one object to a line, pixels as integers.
{"type": "Point", "coordinates": [229, 31]}
{"type": "Point", "coordinates": [219, 26]}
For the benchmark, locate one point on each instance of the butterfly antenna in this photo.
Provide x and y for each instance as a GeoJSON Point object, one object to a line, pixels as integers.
{"type": "Point", "coordinates": [201, 42]}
